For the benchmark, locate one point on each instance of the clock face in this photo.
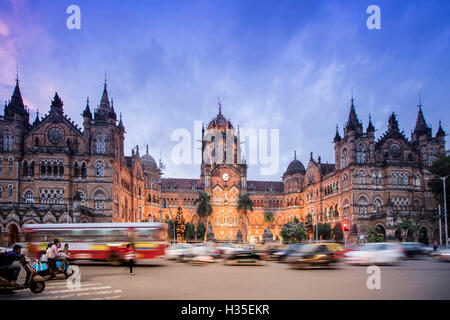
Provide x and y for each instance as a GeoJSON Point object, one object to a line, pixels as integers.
{"type": "Point", "coordinates": [55, 135]}
{"type": "Point", "coordinates": [395, 150]}
{"type": "Point", "coordinates": [225, 176]}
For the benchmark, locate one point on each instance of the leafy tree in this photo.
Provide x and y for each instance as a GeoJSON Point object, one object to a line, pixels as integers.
{"type": "Point", "coordinates": [179, 224]}
{"type": "Point", "coordinates": [338, 233]}
{"type": "Point", "coordinates": [324, 231]}
{"type": "Point", "coordinates": [170, 227]}
{"type": "Point", "coordinates": [374, 235]}
{"type": "Point", "coordinates": [201, 230]}
{"type": "Point", "coordinates": [244, 205]}
{"type": "Point", "coordinates": [409, 226]}
{"type": "Point", "coordinates": [204, 207]}
{"type": "Point", "coordinates": [293, 232]}
{"type": "Point", "coordinates": [441, 167]}
{"type": "Point", "coordinates": [309, 224]}
{"type": "Point", "coordinates": [269, 217]}
{"type": "Point", "coordinates": [189, 231]}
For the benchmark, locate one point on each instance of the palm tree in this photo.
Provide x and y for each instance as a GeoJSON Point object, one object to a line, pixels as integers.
{"type": "Point", "coordinates": [204, 208]}
{"type": "Point", "coordinates": [245, 204]}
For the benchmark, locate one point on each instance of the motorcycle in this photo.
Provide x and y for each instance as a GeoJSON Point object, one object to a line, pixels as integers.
{"type": "Point", "coordinates": [33, 280]}
{"type": "Point", "coordinates": [44, 270]}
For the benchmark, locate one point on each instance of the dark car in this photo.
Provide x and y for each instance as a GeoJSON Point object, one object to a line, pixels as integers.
{"type": "Point", "coordinates": [316, 255]}
{"type": "Point", "coordinates": [282, 255]}
{"type": "Point", "coordinates": [245, 258]}
{"type": "Point", "coordinates": [414, 250]}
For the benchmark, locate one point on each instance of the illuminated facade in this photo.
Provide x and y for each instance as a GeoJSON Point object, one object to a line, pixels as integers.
{"type": "Point", "coordinates": [52, 171]}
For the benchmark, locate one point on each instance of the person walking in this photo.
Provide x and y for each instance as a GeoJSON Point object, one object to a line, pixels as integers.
{"type": "Point", "coordinates": [130, 256]}
{"type": "Point", "coordinates": [435, 246]}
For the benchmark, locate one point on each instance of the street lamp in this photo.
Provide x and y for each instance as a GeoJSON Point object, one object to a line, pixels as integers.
{"type": "Point", "coordinates": [445, 204]}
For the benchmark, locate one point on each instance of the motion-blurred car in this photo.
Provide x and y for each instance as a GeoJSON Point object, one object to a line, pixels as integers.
{"type": "Point", "coordinates": [442, 255]}
{"type": "Point", "coordinates": [226, 249]}
{"type": "Point", "coordinates": [176, 251]}
{"type": "Point", "coordinates": [375, 253]}
{"type": "Point", "coordinates": [201, 249]}
{"type": "Point", "coordinates": [316, 255]}
{"type": "Point", "coordinates": [416, 250]}
{"type": "Point", "coordinates": [283, 254]}
{"type": "Point", "coordinates": [244, 258]}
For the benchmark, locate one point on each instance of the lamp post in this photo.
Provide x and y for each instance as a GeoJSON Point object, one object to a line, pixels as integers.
{"type": "Point", "coordinates": [445, 204]}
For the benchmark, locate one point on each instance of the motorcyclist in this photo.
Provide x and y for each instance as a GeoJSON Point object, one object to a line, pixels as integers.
{"type": "Point", "coordinates": [11, 270]}
{"type": "Point", "coordinates": [54, 256]}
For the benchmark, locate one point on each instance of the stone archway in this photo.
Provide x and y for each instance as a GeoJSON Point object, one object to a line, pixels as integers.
{"type": "Point", "coordinates": [381, 229]}
{"type": "Point", "coordinates": [423, 235]}
{"type": "Point", "coordinates": [398, 235]}
{"type": "Point", "coordinates": [13, 234]}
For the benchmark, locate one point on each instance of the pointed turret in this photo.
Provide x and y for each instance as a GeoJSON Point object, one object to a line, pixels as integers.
{"type": "Point", "coordinates": [337, 137]}
{"type": "Point", "coordinates": [121, 127]}
{"type": "Point", "coordinates": [112, 113]}
{"type": "Point", "coordinates": [393, 123]}
{"type": "Point", "coordinates": [87, 111]}
{"type": "Point", "coordinates": [16, 104]}
{"type": "Point", "coordinates": [57, 105]}
{"type": "Point", "coordinates": [421, 125]}
{"type": "Point", "coordinates": [36, 121]}
{"type": "Point", "coordinates": [104, 102]}
{"type": "Point", "coordinates": [353, 123]}
{"type": "Point", "coordinates": [370, 127]}
{"type": "Point", "coordinates": [440, 132]}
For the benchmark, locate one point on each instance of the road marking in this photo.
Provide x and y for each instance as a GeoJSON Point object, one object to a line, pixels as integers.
{"type": "Point", "coordinates": [81, 289]}
{"type": "Point", "coordinates": [106, 298]}
{"type": "Point", "coordinates": [61, 285]}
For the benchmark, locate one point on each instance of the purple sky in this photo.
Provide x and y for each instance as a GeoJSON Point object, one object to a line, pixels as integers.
{"type": "Point", "coordinates": [288, 65]}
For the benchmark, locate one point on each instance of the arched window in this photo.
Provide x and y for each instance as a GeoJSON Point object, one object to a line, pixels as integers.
{"type": "Point", "coordinates": [25, 169]}
{"type": "Point", "coordinates": [10, 191]}
{"type": "Point", "coordinates": [100, 142]}
{"type": "Point", "coordinates": [377, 205]}
{"type": "Point", "coordinates": [83, 170]}
{"type": "Point", "coordinates": [362, 204]}
{"type": "Point", "coordinates": [6, 140]}
{"type": "Point", "coordinates": [431, 156]}
{"type": "Point", "coordinates": [29, 198]}
{"type": "Point", "coordinates": [361, 153]}
{"type": "Point", "coordinates": [362, 177]}
{"type": "Point", "coordinates": [76, 170]}
{"type": "Point", "coordinates": [99, 169]}
{"type": "Point", "coordinates": [36, 142]}
{"type": "Point", "coordinates": [417, 181]}
{"type": "Point", "coordinates": [99, 200]}
{"type": "Point", "coordinates": [344, 158]}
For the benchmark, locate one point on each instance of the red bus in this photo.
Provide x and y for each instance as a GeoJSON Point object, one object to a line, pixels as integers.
{"type": "Point", "coordinates": [99, 241]}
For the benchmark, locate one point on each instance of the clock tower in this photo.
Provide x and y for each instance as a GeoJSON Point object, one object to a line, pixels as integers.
{"type": "Point", "coordinates": [224, 174]}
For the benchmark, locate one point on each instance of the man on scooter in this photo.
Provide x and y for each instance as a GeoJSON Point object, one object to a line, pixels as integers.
{"type": "Point", "coordinates": [12, 271]}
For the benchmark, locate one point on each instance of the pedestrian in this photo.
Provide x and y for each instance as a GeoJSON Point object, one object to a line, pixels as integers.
{"type": "Point", "coordinates": [130, 256]}
{"type": "Point", "coordinates": [435, 246]}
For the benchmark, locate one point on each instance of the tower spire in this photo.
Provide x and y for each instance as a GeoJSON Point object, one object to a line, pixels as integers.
{"type": "Point", "coordinates": [295, 154]}
{"type": "Point", "coordinates": [220, 105]}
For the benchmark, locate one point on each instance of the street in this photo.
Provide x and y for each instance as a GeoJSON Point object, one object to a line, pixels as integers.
{"type": "Point", "coordinates": [160, 279]}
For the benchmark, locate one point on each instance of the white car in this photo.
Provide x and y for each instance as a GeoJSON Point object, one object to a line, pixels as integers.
{"type": "Point", "coordinates": [177, 250]}
{"type": "Point", "coordinates": [375, 253]}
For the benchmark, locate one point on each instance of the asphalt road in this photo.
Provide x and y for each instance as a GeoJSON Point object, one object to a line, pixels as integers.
{"type": "Point", "coordinates": [159, 279]}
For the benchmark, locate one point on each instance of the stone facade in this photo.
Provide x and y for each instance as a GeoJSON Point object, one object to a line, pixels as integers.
{"type": "Point", "coordinates": [52, 171]}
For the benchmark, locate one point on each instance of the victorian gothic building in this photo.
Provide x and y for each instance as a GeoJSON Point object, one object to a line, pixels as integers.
{"type": "Point", "coordinates": [52, 171]}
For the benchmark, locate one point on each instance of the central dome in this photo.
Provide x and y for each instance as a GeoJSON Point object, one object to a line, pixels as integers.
{"type": "Point", "coordinates": [220, 122]}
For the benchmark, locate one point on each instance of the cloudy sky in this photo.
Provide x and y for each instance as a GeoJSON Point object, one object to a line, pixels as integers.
{"type": "Point", "coordinates": [287, 65]}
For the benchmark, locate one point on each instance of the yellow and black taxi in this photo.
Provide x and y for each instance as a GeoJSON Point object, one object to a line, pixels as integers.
{"type": "Point", "coordinates": [316, 255]}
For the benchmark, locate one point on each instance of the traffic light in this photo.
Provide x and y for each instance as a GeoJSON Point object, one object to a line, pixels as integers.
{"type": "Point", "coordinates": [345, 226]}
